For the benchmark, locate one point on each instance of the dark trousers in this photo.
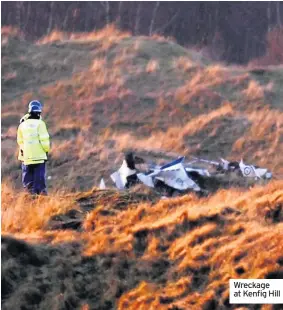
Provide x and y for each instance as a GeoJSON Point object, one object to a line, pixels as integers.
{"type": "Point", "coordinates": [33, 178]}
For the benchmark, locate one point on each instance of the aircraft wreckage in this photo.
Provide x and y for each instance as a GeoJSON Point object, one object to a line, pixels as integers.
{"type": "Point", "coordinates": [178, 177]}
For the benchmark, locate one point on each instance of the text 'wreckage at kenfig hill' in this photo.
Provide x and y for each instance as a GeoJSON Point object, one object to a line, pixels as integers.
{"type": "Point", "coordinates": [178, 177]}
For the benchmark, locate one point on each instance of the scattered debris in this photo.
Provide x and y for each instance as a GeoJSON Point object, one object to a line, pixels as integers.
{"type": "Point", "coordinates": [102, 184]}
{"type": "Point", "coordinates": [178, 177]}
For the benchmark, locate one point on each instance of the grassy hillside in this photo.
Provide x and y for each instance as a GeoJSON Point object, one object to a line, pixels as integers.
{"type": "Point", "coordinates": [104, 250]}
{"type": "Point", "coordinates": [108, 92]}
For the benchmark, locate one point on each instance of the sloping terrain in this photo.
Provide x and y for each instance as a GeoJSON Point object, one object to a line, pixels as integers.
{"type": "Point", "coordinates": [129, 251]}
{"type": "Point", "coordinates": [108, 92]}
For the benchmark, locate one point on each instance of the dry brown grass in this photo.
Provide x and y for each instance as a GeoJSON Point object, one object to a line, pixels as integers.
{"type": "Point", "coordinates": [183, 63]}
{"type": "Point", "coordinates": [178, 109]}
{"type": "Point", "coordinates": [264, 138]}
{"type": "Point", "coordinates": [198, 123]}
{"type": "Point", "coordinates": [110, 35]}
{"type": "Point", "coordinates": [179, 252]}
{"type": "Point", "coordinates": [152, 66]}
{"type": "Point", "coordinates": [254, 91]}
{"type": "Point", "coordinates": [23, 214]}
{"type": "Point", "coordinates": [98, 65]}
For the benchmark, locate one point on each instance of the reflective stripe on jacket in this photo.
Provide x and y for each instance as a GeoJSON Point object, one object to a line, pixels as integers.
{"type": "Point", "coordinates": [33, 140]}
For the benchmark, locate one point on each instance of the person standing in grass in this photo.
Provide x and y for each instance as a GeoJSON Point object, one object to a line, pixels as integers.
{"type": "Point", "coordinates": [34, 143]}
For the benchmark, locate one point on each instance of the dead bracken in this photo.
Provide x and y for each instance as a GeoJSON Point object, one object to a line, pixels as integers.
{"type": "Point", "coordinates": [86, 248]}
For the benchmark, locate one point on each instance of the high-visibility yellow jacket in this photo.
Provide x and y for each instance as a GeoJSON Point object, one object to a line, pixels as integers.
{"type": "Point", "coordinates": [24, 118]}
{"type": "Point", "coordinates": [33, 140]}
